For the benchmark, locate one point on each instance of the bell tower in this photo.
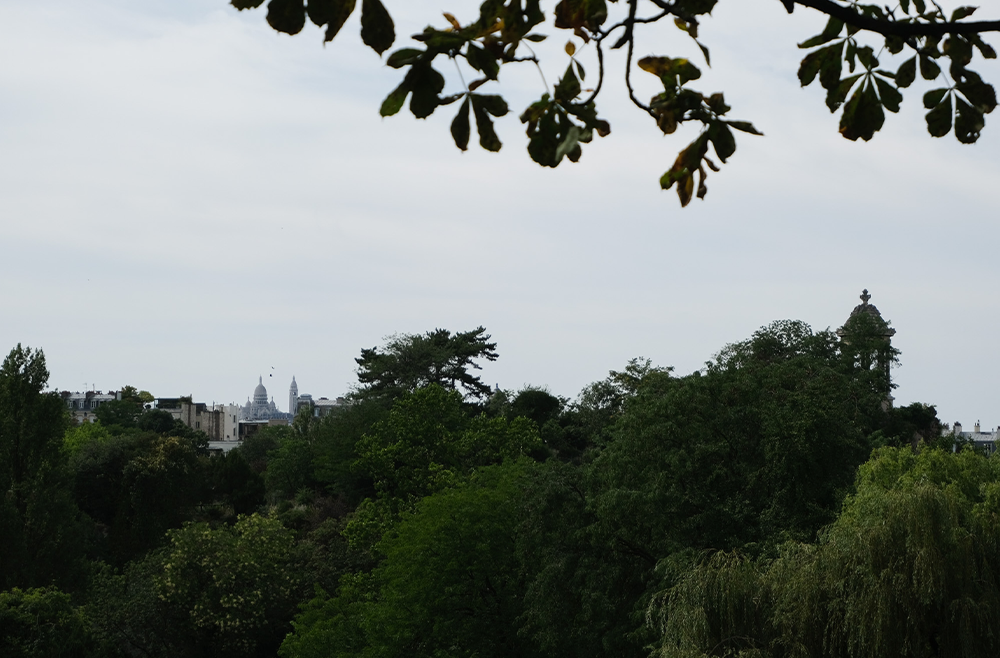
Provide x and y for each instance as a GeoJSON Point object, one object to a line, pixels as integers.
{"type": "Point", "coordinates": [293, 397]}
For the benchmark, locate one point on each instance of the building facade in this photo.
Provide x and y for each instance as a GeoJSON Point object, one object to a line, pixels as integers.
{"type": "Point", "coordinates": [82, 406]}
{"type": "Point", "coordinates": [219, 421]}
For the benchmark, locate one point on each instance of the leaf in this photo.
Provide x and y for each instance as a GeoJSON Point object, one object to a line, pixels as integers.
{"type": "Point", "coordinates": [685, 189]}
{"type": "Point", "coordinates": [404, 57]}
{"type": "Point", "coordinates": [487, 135]}
{"type": "Point", "coordinates": [717, 103]}
{"type": "Point", "coordinates": [958, 49]}
{"type": "Point", "coordinates": [536, 38]}
{"type": "Point", "coordinates": [702, 188]}
{"type": "Point", "coordinates": [394, 101]}
{"type": "Point", "coordinates": [744, 126]}
{"type": "Point", "coordinates": [575, 14]}
{"type": "Point", "coordinates": [980, 95]}
{"type": "Point", "coordinates": [907, 72]}
{"type": "Point", "coordinates": [319, 11]}
{"type": "Point", "coordinates": [341, 10]}
{"type": "Point", "coordinates": [829, 33]}
{"type": "Point", "coordinates": [568, 87]}
{"type": "Point", "coordinates": [569, 143]}
{"type": "Point", "coordinates": [492, 103]}
{"type": "Point", "coordinates": [288, 16]}
{"type": "Point", "coordinates": [863, 115]}
{"type": "Point", "coordinates": [722, 139]}
{"type": "Point", "coordinates": [543, 132]}
{"type": "Point", "coordinates": [836, 96]}
{"type": "Point", "coordinates": [939, 118]}
{"type": "Point", "coordinates": [481, 60]}
{"type": "Point", "coordinates": [377, 29]}
{"type": "Point", "coordinates": [929, 68]}
{"type": "Point", "coordinates": [246, 4]}
{"type": "Point", "coordinates": [579, 70]}
{"type": "Point", "coordinates": [867, 58]}
{"type": "Point", "coordinates": [666, 68]}
{"type": "Point", "coordinates": [933, 97]}
{"type": "Point", "coordinates": [570, 48]}
{"type": "Point", "coordinates": [704, 51]}
{"type": "Point", "coordinates": [427, 83]}
{"type": "Point", "coordinates": [442, 40]}
{"type": "Point", "coordinates": [985, 49]}
{"type": "Point", "coordinates": [962, 12]}
{"type": "Point", "coordinates": [894, 44]}
{"type": "Point", "coordinates": [460, 129]}
{"type": "Point", "coordinates": [968, 122]}
{"type": "Point", "coordinates": [825, 61]}
{"type": "Point", "coordinates": [891, 98]}
{"type": "Point", "coordinates": [451, 19]}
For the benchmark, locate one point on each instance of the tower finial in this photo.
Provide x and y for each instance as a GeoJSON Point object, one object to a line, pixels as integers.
{"type": "Point", "coordinates": [865, 296]}
{"type": "Point", "coordinates": [260, 379]}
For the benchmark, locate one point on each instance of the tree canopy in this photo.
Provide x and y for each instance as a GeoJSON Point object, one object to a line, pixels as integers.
{"type": "Point", "coordinates": [915, 36]}
{"type": "Point", "coordinates": [407, 362]}
{"type": "Point", "coordinates": [727, 512]}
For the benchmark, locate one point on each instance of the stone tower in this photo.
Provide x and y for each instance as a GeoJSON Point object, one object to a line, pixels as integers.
{"type": "Point", "coordinates": [866, 338]}
{"type": "Point", "coordinates": [293, 397]}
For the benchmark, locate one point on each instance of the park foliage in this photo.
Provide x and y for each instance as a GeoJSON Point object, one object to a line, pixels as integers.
{"type": "Point", "coordinates": [770, 504]}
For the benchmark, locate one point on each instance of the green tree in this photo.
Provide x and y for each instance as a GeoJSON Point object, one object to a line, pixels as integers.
{"type": "Point", "coordinates": [236, 483]}
{"type": "Point", "coordinates": [335, 443]}
{"type": "Point", "coordinates": [41, 532]}
{"type": "Point", "coordinates": [238, 585]}
{"type": "Point", "coordinates": [290, 467]}
{"type": "Point", "coordinates": [914, 36]}
{"type": "Point", "coordinates": [763, 443]}
{"type": "Point", "coordinates": [588, 421]}
{"type": "Point", "coordinates": [79, 436]}
{"type": "Point", "coordinates": [137, 486]}
{"type": "Point", "coordinates": [43, 623]}
{"type": "Point", "coordinates": [156, 420]}
{"type": "Point", "coordinates": [408, 362]}
{"type": "Point", "coordinates": [449, 584]}
{"type": "Point", "coordinates": [129, 617]}
{"type": "Point", "coordinates": [256, 448]}
{"type": "Point", "coordinates": [428, 443]}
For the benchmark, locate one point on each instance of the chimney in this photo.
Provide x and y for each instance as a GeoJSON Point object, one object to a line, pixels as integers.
{"type": "Point", "coordinates": [975, 428]}
{"type": "Point", "coordinates": [958, 428]}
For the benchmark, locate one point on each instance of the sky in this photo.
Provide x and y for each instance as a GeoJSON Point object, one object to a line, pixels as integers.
{"type": "Point", "coordinates": [190, 200]}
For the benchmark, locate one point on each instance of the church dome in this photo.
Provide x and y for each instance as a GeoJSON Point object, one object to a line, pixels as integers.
{"type": "Point", "coordinates": [260, 393]}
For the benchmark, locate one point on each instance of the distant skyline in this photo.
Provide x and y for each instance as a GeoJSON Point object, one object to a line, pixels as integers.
{"type": "Point", "coordinates": [190, 199]}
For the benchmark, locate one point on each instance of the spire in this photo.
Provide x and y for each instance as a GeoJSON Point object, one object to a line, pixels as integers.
{"type": "Point", "coordinates": [260, 379]}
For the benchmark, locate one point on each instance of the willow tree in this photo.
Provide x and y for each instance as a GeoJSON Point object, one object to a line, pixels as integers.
{"type": "Point", "coordinates": [864, 59]}
{"type": "Point", "coordinates": [911, 567]}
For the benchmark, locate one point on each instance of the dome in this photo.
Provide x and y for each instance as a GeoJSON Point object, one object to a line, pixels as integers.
{"type": "Point", "coordinates": [260, 393]}
{"type": "Point", "coordinates": [864, 308]}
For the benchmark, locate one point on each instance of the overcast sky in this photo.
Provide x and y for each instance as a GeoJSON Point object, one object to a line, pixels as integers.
{"type": "Point", "coordinates": [190, 200]}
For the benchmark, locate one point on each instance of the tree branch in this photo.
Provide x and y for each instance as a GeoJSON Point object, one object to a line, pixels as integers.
{"type": "Point", "coordinates": [600, 71]}
{"type": "Point", "coordinates": [897, 28]}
